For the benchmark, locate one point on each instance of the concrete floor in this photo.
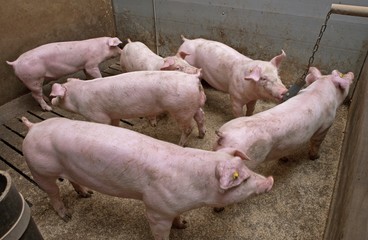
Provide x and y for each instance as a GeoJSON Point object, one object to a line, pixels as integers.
{"type": "Point", "coordinates": [296, 208]}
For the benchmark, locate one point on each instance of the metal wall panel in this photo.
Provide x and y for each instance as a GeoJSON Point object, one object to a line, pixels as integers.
{"type": "Point", "coordinates": [258, 29]}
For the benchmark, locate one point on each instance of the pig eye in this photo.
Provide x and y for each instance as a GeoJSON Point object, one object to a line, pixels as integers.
{"type": "Point", "coordinates": [246, 179]}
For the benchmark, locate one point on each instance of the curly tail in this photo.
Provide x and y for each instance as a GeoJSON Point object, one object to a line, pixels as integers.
{"type": "Point", "coordinates": [183, 38]}
{"type": "Point", "coordinates": [10, 63]}
{"type": "Point", "coordinates": [27, 122]}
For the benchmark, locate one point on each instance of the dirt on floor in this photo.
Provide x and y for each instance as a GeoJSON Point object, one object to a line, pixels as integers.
{"type": "Point", "coordinates": [296, 208]}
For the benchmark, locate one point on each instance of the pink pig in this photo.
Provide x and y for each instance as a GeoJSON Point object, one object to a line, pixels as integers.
{"type": "Point", "coordinates": [138, 57]}
{"type": "Point", "coordinates": [54, 60]}
{"type": "Point", "coordinates": [283, 129]}
{"type": "Point", "coordinates": [227, 70]}
{"type": "Point", "coordinates": [136, 94]}
{"type": "Point", "coordinates": [169, 179]}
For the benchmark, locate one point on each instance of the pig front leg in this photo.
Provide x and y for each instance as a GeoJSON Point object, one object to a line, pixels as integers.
{"type": "Point", "coordinates": [250, 108]}
{"type": "Point", "coordinates": [199, 118]}
{"type": "Point", "coordinates": [93, 72]}
{"type": "Point", "coordinates": [315, 144]}
{"type": "Point", "coordinates": [160, 225]}
{"type": "Point", "coordinates": [237, 106]}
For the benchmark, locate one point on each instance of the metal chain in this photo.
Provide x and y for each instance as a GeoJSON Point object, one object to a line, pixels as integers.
{"type": "Point", "coordinates": [315, 48]}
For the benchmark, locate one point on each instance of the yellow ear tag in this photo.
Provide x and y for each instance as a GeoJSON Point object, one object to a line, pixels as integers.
{"type": "Point", "coordinates": [235, 175]}
{"type": "Point", "coordinates": [341, 75]}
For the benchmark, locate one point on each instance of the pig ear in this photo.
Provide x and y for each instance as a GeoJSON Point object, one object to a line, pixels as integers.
{"type": "Point", "coordinates": [313, 75]}
{"type": "Point", "coordinates": [199, 73]}
{"type": "Point", "coordinates": [113, 42]}
{"type": "Point", "coordinates": [182, 54]}
{"type": "Point", "coordinates": [234, 152]}
{"type": "Point", "coordinates": [57, 90]}
{"type": "Point", "coordinates": [276, 61]}
{"type": "Point", "coordinates": [168, 62]}
{"type": "Point", "coordinates": [341, 80]}
{"type": "Point", "coordinates": [231, 174]}
{"type": "Point", "coordinates": [72, 79]}
{"type": "Point", "coordinates": [253, 74]}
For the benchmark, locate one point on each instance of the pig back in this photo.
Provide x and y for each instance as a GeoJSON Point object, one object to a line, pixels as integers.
{"type": "Point", "coordinates": [217, 60]}
{"type": "Point", "coordinates": [145, 93]}
{"type": "Point", "coordinates": [138, 57]}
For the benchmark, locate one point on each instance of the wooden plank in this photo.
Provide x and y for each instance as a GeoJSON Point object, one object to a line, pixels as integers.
{"type": "Point", "coordinates": [64, 113]}
{"type": "Point", "coordinates": [116, 66]}
{"type": "Point", "coordinates": [348, 215]}
{"type": "Point", "coordinates": [111, 71]}
{"type": "Point", "coordinates": [10, 139]}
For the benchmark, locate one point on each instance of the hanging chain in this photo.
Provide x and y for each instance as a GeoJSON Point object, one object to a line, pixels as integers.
{"type": "Point", "coordinates": [315, 48]}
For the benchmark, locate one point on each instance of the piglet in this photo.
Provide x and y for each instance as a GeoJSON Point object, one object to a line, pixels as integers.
{"type": "Point", "coordinates": [285, 128]}
{"type": "Point", "coordinates": [136, 94]}
{"type": "Point", "coordinates": [54, 60]}
{"type": "Point", "coordinates": [169, 179]}
{"type": "Point", "coordinates": [136, 56]}
{"type": "Point", "coordinates": [227, 70]}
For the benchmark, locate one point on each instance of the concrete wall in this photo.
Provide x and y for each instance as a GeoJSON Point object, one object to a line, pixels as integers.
{"type": "Point", "coordinates": [259, 29]}
{"type": "Point", "coordinates": [28, 24]}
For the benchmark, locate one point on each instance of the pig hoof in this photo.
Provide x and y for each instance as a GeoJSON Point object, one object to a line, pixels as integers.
{"type": "Point", "coordinates": [201, 135]}
{"type": "Point", "coordinates": [46, 108]}
{"type": "Point", "coordinates": [313, 156]}
{"type": "Point", "coordinates": [85, 194]}
{"type": "Point", "coordinates": [179, 223]}
{"type": "Point", "coordinates": [218, 209]}
{"type": "Point", "coordinates": [67, 216]}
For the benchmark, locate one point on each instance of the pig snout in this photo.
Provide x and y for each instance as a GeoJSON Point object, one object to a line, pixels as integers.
{"type": "Point", "coordinates": [277, 92]}
{"type": "Point", "coordinates": [265, 185]}
{"type": "Point", "coordinates": [281, 93]}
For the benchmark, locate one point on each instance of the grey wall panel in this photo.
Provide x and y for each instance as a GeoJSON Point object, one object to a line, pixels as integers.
{"type": "Point", "coordinates": [258, 29]}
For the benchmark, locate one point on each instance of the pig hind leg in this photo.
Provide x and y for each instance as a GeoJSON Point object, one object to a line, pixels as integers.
{"type": "Point", "coordinates": [82, 191]}
{"type": "Point", "coordinates": [37, 92]}
{"type": "Point", "coordinates": [199, 118]}
{"type": "Point", "coordinates": [315, 144]}
{"type": "Point", "coordinates": [48, 184]}
{"type": "Point", "coordinates": [186, 128]}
